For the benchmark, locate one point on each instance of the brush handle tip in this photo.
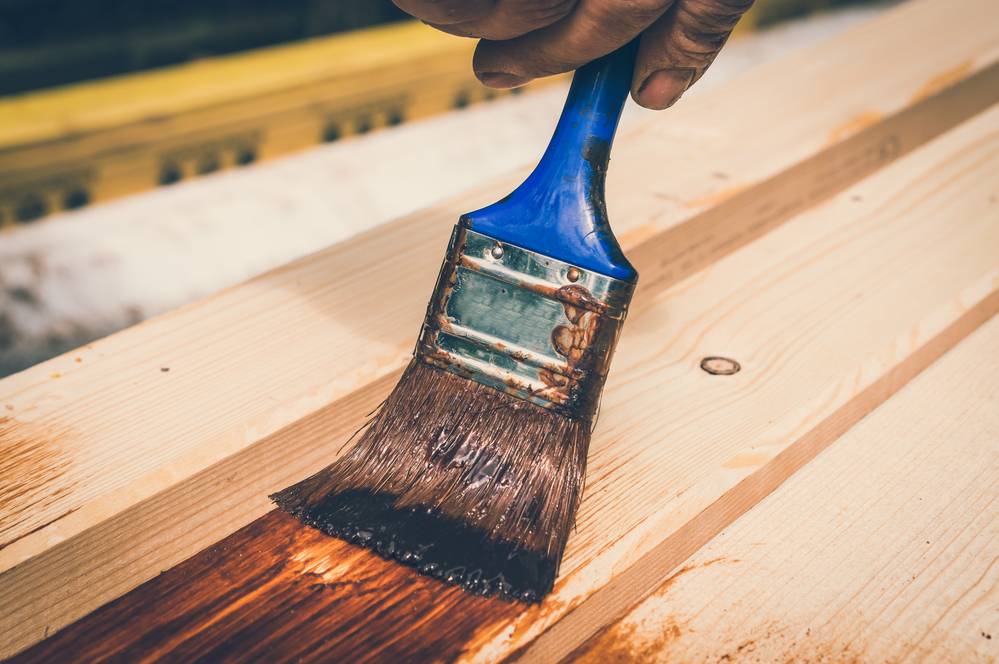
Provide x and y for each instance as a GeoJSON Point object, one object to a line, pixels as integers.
{"type": "Point", "coordinates": [560, 209]}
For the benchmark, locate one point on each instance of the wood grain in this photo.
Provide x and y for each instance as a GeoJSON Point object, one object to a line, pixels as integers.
{"type": "Point", "coordinates": [234, 602]}
{"type": "Point", "coordinates": [884, 548]}
{"type": "Point", "coordinates": [826, 317]}
{"type": "Point", "coordinates": [180, 485]}
{"type": "Point", "coordinates": [256, 358]}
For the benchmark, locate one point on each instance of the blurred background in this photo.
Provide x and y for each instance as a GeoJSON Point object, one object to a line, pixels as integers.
{"type": "Point", "coordinates": [153, 152]}
{"type": "Point", "coordinates": [46, 43]}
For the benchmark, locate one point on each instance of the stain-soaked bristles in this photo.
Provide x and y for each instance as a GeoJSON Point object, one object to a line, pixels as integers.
{"type": "Point", "coordinates": [458, 480]}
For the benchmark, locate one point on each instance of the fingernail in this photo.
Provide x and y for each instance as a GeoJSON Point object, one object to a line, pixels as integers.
{"type": "Point", "coordinates": [661, 89]}
{"type": "Point", "coordinates": [500, 79]}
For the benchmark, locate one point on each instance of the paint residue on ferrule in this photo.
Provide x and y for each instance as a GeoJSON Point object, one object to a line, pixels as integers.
{"type": "Point", "coordinates": [521, 322]}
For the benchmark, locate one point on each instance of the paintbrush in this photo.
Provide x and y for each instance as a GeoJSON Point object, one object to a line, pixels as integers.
{"type": "Point", "coordinates": [472, 469]}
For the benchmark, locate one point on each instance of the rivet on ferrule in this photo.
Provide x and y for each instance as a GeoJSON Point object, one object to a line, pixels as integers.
{"type": "Point", "coordinates": [518, 327]}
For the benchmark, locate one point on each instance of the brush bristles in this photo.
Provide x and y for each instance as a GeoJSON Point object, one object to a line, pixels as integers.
{"type": "Point", "coordinates": [459, 480]}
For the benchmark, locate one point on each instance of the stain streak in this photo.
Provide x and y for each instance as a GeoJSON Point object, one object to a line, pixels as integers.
{"type": "Point", "coordinates": [277, 590]}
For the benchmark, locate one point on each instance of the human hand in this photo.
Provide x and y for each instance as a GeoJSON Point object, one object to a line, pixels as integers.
{"type": "Point", "coordinates": [525, 39]}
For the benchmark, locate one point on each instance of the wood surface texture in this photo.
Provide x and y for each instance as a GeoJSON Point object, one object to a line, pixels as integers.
{"type": "Point", "coordinates": [828, 315]}
{"type": "Point", "coordinates": [139, 450]}
{"type": "Point", "coordinates": [136, 452]}
{"type": "Point", "coordinates": [883, 549]}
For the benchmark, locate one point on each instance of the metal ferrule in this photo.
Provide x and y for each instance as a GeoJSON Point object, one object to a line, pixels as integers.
{"type": "Point", "coordinates": [531, 326]}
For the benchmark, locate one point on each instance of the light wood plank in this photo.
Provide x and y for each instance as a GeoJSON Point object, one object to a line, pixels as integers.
{"type": "Point", "coordinates": [883, 549]}
{"type": "Point", "coordinates": [250, 361]}
{"type": "Point", "coordinates": [828, 318]}
{"type": "Point", "coordinates": [255, 358]}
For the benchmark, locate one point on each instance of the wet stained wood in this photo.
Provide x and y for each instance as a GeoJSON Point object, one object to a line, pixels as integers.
{"type": "Point", "coordinates": [279, 591]}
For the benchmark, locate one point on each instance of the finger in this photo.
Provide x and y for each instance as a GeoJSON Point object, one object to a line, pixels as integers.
{"type": "Point", "coordinates": [675, 51]}
{"type": "Point", "coordinates": [445, 12]}
{"type": "Point", "coordinates": [592, 29]}
{"type": "Point", "coordinates": [512, 18]}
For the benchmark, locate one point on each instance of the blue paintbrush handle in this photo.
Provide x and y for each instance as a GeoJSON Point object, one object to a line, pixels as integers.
{"type": "Point", "coordinates": [559, 210]}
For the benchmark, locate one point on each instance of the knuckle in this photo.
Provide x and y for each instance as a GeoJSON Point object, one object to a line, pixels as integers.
{"type": "Point", "coordinates": [624, 18]}
{"type": "Point", "coordinates": [692, 54]}
{"type": "Point", "coordinates": [547, 62]}
{"type": "Point", "coordinates": [642, 11]}
{"type": "Point", "coordinates": [703, 27]}
{"type": "Point", "coordinates": [547, 65]}
{"type": "Point", "coordinates": [705, 39]}
{"type": "Point", "coordinates": [691, 58]}
{"type": "Point", "coordinates": [444, 11]}
{"type": "Point", "coordinates": [713, 15]}
{"type": "Point", "coordinates": [526, 16]}
{"type": "Point", "coordinates": [695, 32]}
{"type": "Point", "coordinates": [546, 12]}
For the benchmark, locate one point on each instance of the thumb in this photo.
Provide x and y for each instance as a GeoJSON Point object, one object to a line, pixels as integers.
{"type": "Point", "coordinates": [677, 48]}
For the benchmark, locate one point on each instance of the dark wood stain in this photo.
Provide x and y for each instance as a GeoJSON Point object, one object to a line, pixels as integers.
{"type": "Point", "coordinates": [274, 591]}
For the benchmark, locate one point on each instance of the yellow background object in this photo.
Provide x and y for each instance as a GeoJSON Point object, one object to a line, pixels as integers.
{"type": "Point", "coordinates": [71, 146]}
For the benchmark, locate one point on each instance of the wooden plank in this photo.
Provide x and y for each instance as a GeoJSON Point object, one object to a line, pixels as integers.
{"type": "Point", "coordinates": [884, 548]}
{"type": "Point", "coordinates": [253, 359]}
{"type": "Point", "coordinates": [825, 315]}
